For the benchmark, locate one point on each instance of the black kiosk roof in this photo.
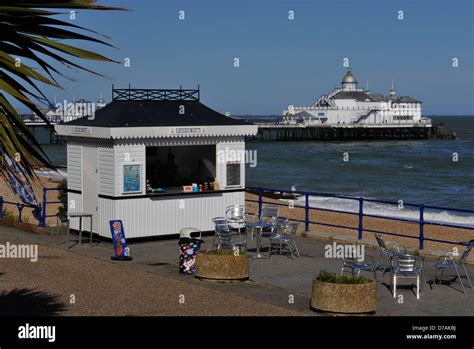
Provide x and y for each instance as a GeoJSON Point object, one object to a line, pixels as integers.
{"type": "Point", "coordinates": [155, 108]}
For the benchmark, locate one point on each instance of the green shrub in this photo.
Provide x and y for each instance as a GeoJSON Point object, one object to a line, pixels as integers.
{"type": "Point", "coordinates": [9, 215]}
{"type": "Point", "coordinates": [62, 196]}
{"type": "Point", "coordinates": [324, 276]}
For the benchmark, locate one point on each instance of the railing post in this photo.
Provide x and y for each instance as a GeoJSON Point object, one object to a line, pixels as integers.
{"type": "Point", "coordinates": [20, 209]}
{"type": "Point", "coordinates": [306, 209]}
{"type": "Point", "coordinates": [260, 199]}
{"type": "Point", "coordinates": [1, 206]}
{"type": "Point", "coordinates": [422, 223]}
{"type": "Point", "coordinates": [42, 223]}
{"type": "Point", "coordinates": [361, 217]}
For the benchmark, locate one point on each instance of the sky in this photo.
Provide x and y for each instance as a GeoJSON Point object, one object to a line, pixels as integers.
{"type": "Point", "coordinates": [283, 62]}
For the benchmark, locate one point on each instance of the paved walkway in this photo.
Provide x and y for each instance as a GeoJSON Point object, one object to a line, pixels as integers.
{"type": "Point", "coordinates": [69, 283]}
{"type": "Point", "coordinates": [151, 285]}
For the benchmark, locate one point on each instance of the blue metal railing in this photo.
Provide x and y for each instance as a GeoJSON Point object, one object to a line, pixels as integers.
{"type": "Point", "coordinates": [41, 208]}
{"type": "Point", "coordinates": [19, 207]}
{"type": "Point", "coordinates": [360, 229]}
{"type": "Point", "coordinates": [42, 222]}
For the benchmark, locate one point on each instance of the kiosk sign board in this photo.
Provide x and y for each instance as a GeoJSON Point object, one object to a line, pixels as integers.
{"type": "Point", "coordinates": [121, 249]}
{"type": "Point", "coordinates": [77, 130]}
{"type": "Point", "coordinates": [233, 173]}
{"type": "Point", "coordinates": [183, 131]}
{"type": "Point", "coordinates": [132, 175]}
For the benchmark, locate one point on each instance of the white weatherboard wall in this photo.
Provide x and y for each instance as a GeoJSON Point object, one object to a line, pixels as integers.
{"type": "Point", "coordinates": [74, 180]}
{"type": "Point", "coordinates": [147, 216]}
{"type": "Point", "coordinates": [75, 200]}
{"type": "Point", "coordinates": [107, 186]}
{"type": "Point", "coordinates": [90, 182]}
{"type": "Point", "coordinates": [74, 166]}
{"type": "Point", "coordinates": [106, 213]}
{"type": "Point", "coordinates": [107, 170]}
{"type": "Point", "coordinates": [167, 215]}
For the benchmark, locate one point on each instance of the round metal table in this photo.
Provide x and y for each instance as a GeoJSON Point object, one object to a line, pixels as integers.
{"type": "Point", "coordinates": [260, 226]}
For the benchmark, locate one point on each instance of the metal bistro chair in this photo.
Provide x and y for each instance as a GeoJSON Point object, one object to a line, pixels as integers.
{"type": "Point", "coordinates": [406, 268]}
{"type": "Point", "coordinates": [449, 262]}
{"type": "Point", "coordinates": [277, 224]}
{"type": "Point", "coordinates": [284, 234]}
{"type": "Point", "coordinates": [224, 236]}
{"type": "Point", "coordinates": [354, 265]}
{"type": "Point", "coordinates": [235, 214]}
{"type": "Point", "coordinates": [267, 215]}
{"type": "Point", "coordinates": [388, 250]}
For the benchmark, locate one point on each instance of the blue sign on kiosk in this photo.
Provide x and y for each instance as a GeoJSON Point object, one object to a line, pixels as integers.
{"type": "Point", "coordinates": [121, 250]}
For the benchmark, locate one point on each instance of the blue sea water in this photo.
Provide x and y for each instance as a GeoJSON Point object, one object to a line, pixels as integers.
{"type": "Point", "coordinates": [413, 171]}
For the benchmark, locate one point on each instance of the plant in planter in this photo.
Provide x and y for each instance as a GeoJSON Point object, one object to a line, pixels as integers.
{"type": "Point", "coordinates": [222, 265]}
{"type": "Point", "coordinates": [343, 294]}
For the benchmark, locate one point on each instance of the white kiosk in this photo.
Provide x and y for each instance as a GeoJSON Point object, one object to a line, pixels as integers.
{"type": "Point", "coordinates": [138, 157]}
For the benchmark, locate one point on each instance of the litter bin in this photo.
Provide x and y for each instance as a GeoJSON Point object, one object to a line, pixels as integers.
{"type": "Point", "coordinates": [189, 244]}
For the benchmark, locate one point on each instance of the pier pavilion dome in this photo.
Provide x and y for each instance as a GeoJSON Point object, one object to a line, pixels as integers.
{"type": "Point", "coordinates": [349, 81]}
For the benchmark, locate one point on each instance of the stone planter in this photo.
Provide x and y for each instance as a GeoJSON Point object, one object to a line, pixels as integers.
{"type": "Point", "coordinates": [344, 298]}
{"type": "Point", "coordinates": [221, 266]}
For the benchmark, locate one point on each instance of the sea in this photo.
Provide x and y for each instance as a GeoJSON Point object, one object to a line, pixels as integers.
{"type": "Point", "coordinates": [431, 172]}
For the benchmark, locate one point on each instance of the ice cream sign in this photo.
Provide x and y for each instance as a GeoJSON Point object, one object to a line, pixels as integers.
{"type": "Point", "coordinates": [121, 250]}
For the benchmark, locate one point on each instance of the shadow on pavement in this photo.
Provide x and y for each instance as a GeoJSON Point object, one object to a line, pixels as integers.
{"type": "Point", "coordinates": [28, 302]}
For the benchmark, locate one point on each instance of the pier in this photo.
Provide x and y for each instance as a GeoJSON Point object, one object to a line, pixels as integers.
{"type": "Point", "coordinates": [37, 125]}
{"type": "Point", "coordinates": [53, 138]}
{"type": "Point", "coordinates": [282, 132]}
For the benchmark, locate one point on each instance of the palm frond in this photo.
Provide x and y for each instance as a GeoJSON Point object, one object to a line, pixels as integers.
{"type": "Point", "coordinates": [28, 29]}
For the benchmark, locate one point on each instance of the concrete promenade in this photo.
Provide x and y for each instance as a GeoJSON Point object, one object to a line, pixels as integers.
{"type": "Point", "coordinates": [151, 284]}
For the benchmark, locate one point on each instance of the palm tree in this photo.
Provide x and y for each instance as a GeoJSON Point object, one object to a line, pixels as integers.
{"type": "Point", "coordinates": [31, 32]}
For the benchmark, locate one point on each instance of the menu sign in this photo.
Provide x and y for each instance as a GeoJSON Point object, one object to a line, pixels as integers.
{"type": "Point", "coordinates": [233, 173]}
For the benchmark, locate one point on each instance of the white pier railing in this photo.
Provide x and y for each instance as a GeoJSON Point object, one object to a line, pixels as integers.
{"type": "Point", "coordinates": [35, 120]}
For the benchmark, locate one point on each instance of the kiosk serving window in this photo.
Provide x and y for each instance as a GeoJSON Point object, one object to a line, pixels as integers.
{"type": "Point", "coordinates": [175, 167]}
